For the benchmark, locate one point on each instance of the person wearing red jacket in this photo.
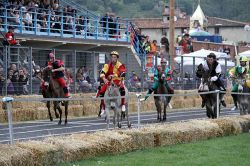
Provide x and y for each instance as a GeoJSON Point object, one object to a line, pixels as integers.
{"type": "Point", "coordinates": [57, 68]}
{"type": "Point", "coordinates": [10, 38]}
{"type": "Point", "coordinates": [114, 71]}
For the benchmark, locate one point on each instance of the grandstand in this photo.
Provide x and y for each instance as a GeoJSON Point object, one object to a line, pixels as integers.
{"type": "Point", "coordinates": [78, 36]}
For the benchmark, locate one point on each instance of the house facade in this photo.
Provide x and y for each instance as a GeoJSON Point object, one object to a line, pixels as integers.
{"type": "Point", "coordinates": [231, 31]}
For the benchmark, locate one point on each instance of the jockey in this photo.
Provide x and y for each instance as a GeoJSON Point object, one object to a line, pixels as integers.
{"type": "Point", "coordinates": [214, 69]}
{"type": "Point", "coordinates": [114, 71]}
{"type": "Point", "coordinates": [240, 71]}
{"type": "Point", "coordinates": [57, 68]}
{"type": "Point", "coordinates": [168, 74]}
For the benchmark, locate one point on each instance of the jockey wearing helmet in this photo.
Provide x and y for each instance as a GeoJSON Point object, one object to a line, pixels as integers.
{"type": "Point", "coordinates": [240, 71]}
{"type": "Point", "coordinates": [57, 68]}
{"type": "Point", "coordinates": [114, 71]}
{"type": "Point", "coordinates": [168, 73]}
{"type": "Point", "coordinates": [214, 69]}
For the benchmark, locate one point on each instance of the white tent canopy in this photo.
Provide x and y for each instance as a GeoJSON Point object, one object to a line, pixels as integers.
{"type": "Point", "coordinates": [203, 54]}
{"type": "Point", "coordinates": [200, 55]}
{"type": "Point", "coordinates": [187, 59]}
{"type": "Point", "coordinates": [245, 53]}
{"type": "Point", "coordinates": [229, 63]}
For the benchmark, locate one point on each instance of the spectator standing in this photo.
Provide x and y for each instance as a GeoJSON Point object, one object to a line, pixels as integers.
{"type": "Point", "coordinates": [185, 43]}
{"type": "Point", "coordinates": [10, 38]}
{"type": "Point", "coordinates": [227, 50]}
{"type": "Point", "coordinates": [22, 81]}
{"type": "Point", "coordinates": [165, 43]}
{"type": "Point", "coordinates": [153, 47]}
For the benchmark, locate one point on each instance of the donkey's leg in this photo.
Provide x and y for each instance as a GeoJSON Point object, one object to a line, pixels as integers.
{"type": "Point", "coordinates": [56, 113]}
{"type": "Point", "coordinates": [119, 117]}
{"type": "Point", "coordinates": [107, 117]}
{"type": "Point", "coordinates": [114, 117]}
{"type": "Point", "coordinates": [165, 108]}
{"type": "Point", "coordinates": [48, 106]}
{"type": "Point", "coordinates": [158, 107]}
{"type": "Point", "coordinates": [56, 106]}
{"type": "Point", "coordinates": [66, 105]}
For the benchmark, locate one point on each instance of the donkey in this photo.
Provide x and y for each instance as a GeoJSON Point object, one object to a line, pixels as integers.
{"type": "Point", "coordinates": [243, 100]}
{"type": "Point", "coordinates": [112, 100]}
{"type": "Point", "coordinates": [208, 85]}
{"type": "Point", "coordinates": [54, 90]}
{"type": "Point", "coordinates": [159, 100]}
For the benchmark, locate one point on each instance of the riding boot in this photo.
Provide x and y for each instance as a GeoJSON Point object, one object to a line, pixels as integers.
{"type": "Point", "coordinates": [235, 102]}
{"type": "Point", "coordinates": [98, 92]}
{"type": "Point", "coordinates": [66, 92]}
{"type": "Point", "coordinates": [122, 92]}
{"type": "Point", "coordinates": [102, 105]}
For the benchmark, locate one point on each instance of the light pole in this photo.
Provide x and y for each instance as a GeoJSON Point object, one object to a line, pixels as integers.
{"type": "Point", "coordinates": [172, 34]}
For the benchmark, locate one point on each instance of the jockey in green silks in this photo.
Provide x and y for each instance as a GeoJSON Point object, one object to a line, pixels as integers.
{"type": "Point", "coordinates": [240, 71]}
{"type": "Point", "coordinates": [168, 73]}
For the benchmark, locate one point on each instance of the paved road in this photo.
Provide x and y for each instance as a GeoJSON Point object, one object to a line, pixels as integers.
{"type": "Point", "coordinates": [45, 128]}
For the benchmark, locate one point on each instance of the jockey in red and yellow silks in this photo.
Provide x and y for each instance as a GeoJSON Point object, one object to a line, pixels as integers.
{"type": "Point", "coordinates": [114, 71]}
{"type": "Point", "coordinates": [57, 67]}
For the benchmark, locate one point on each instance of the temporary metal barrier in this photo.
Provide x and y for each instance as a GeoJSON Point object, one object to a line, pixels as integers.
{"type": "Point", "coordinates": [9, 100]}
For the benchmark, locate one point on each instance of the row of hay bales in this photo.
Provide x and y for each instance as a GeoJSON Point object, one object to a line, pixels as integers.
{"type": "Point", "coordinates": [54, 150]}
{"type": "Point", "coordinates": [23, 111]}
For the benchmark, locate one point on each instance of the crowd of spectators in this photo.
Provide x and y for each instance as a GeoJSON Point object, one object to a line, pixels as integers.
{"type": "Point", "coordinates": [47, 15]}
{"type": "Point", "coordinates": [16, 80]}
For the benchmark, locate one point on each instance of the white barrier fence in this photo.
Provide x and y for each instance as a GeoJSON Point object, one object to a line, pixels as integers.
{"type": "Point", "coordinates": [8, 101]}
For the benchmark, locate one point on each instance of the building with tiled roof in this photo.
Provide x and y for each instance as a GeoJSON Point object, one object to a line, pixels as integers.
{"type": "Point", "coordinates": [231, 31]}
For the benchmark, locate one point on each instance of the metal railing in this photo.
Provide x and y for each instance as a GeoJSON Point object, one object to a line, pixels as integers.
{"type": "Point", "coordinates": [8, 101]}
{"type": "Point", "coordinates": [45, 22]}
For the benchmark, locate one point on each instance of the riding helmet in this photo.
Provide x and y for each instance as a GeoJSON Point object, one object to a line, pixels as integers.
{"type": "Point", "coordinates": [114, 53]}
{"type": "Point", "coordinates": [243, 59]}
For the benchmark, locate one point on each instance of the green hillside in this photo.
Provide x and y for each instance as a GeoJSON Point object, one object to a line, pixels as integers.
{"type": "Point", "coordinates": [230, 9]}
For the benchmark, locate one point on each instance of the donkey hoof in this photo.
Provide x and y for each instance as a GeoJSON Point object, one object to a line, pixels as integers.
{"type": "Point", "coordinates": [60, 122]}
{"type": "Point", "coordinates": [57, 115]}
{"type": "Point", "coordinates": [65, 123]}
{"type": "Point", "coordinates": [119, 125]}
{"type": "Point", "coordinates": [51, 119]}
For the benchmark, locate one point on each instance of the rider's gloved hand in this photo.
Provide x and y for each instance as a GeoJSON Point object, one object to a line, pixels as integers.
{"type": "Point", "coordinates": [105, 81]}
{"type": "Point", "coordinates": [214, 78]}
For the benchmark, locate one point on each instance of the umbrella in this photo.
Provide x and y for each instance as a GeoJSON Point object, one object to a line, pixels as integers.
{"type": "Point", "coordinates": [203, 53]}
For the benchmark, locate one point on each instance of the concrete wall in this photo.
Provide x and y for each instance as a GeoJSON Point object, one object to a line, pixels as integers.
{"type": "Point", "coordinates": [234, 34]}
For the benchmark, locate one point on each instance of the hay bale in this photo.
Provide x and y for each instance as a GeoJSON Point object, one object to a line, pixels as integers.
{"type": "Point", "coordinates": [73, 149]}
{"type": "Point", "coordinates": [182, 132]}
{"type": "Point", "coordinates": [188, 103]}
{"type": "Point", "coordinates": [12, 155]}
{"type": "Point", "coordinates": [141, 138]}
{"type": "Point", "coordinates": [3, 116]}
{"type": "Point", "coordinates": [44, 153]}
{"type": "Point", "coordinates": [75, 110]}
{"type": "Point", "coordinates": [228, 126]}
{"type": "Point", "coordinates": [106, 141]}
{"type": "Point", "coordinates": [178, 103]}
{"type": "Point", "coordinates": [118, 142]}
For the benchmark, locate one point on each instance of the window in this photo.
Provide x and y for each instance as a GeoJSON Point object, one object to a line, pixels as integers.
{"type": "Point", "coordinates": [217, 30]}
